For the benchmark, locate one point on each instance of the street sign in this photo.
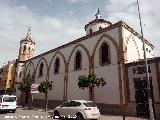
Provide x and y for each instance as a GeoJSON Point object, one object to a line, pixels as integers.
{"type": "Point", "coordinates": [34, 88]}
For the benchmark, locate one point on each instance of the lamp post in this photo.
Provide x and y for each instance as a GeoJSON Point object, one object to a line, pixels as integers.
{"type": "Point", "coordinates": [146, 67]}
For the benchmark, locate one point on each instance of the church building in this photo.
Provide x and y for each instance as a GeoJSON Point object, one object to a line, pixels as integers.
{"type": "Point", "coordinates": [107, 50]}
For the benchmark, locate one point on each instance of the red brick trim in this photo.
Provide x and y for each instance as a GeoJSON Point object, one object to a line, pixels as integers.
{"type": "Point", "coordinates": [136, 34]}
{"type": "Point", "coordinates": [158, 76]}
{"type": "Point", "coordinates": [81, 39]}
{"type": "Point", "coordinates": [50, 64]}
{"type": "Point", "coordinates": [68, 62]}
{"type": "Point", "coordinates": [127, 41]}
{"type": "Point", "coordinates": [127, 84]}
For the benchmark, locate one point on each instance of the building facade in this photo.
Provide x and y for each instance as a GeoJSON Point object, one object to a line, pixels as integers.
{"type": "Point", "coordinates": [105, 50]}
{"type": "Point", "coordinates": [137, 84]}
{"type": "Point", "coordinates": [7, 76]}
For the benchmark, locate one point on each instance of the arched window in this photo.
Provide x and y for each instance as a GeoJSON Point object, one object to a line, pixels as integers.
{"type": "Point", "coordinates": [78, 60]}
{"type": "Point", "coordinates": [24, 48]}
{"type": "Point", "coordinates": [56, 65]}
{"type": "Point", "coordinates": [41, 69]}
{"type": "Point", "coordinates": [90, 31]}
{"type": "Point", "coordinates": [104, 54]}
{"type": "Point", "coordinates": [100, 28]}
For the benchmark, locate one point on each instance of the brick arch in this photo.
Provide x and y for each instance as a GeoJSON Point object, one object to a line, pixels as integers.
{"type": "Point", "coordinates": [68, 62]}
{"type": "Point", "coordinates": [30, 62]}
{"type": "Point", "coordinates": [131, 37]}
{"type": "Point", "coordinates": [118, 59]}
{"type": "Point", "coordinates": [78, 45]}
{"type": "Point", "coordinates": [45, 62]}
{"type": "Point", "coordinates": [98, 42]}
{"type": "Point", "coordinates": [57, 53]}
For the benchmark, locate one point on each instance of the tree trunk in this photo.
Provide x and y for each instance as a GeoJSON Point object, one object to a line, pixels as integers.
{"type": "Point", "coordinates": [91, 93]}
{"type": "Point", "coordinates": [46, 96]}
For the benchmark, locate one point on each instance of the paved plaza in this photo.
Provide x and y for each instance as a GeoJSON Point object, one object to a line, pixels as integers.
{"type": "Point", "coordinates": [40, 114]}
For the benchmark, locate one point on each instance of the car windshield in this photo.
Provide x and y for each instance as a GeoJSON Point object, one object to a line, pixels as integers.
{"type": "Point", "coordinates": [9, 99]}
{"type": "Point", "coordinates": [90, 104]}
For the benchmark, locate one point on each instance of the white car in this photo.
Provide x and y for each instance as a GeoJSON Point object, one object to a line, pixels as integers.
{"type": "Point", "coordinates": [79, 109]}
{"type": "Point", "coordinates": [8, 103]}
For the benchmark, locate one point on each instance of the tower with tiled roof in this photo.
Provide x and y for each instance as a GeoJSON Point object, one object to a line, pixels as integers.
{"type": "Point", "coordinates": [27, 46]}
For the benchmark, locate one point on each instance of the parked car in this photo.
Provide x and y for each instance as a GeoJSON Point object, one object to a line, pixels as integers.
{"type": "Point", "coordinates": [78, 109]}
{"type": "Point", "coordinates": [8, 103]}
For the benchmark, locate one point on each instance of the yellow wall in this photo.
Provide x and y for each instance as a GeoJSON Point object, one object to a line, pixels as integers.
{"type": "Point", "coordinates": [7, 76]}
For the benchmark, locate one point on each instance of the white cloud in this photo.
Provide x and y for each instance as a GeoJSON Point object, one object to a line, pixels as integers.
{"type": "Point", "coordinates": [77, 1]}
{"type": "Point", "coordinates": [48, 32]}
{"type": "Point", "coordinates": [126, 10]}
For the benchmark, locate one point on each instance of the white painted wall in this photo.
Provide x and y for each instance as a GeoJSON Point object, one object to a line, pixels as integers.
{"type": "Point", "coordinates": [110, 73]}
{"type": "Point", "coordinates": [73, 90]}
{"type": "Point", "coordinates": [133, 45]}
{"type": "Point", "coordinates": [95, 27]}
{"type": "Point", "coordinates": [57, 91]}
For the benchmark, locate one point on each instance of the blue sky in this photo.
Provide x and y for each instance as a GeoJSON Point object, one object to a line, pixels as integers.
{"type": "Point", "coordinates": [56, 22]}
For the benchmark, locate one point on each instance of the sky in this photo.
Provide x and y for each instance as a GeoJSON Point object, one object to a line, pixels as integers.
{"type": "Point", "coordinates": [57, 22]}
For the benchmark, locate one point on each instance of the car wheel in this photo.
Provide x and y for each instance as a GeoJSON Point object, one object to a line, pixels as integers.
{"type": "Point", "coordinates": [56, 114]}
{"type": "Point", "coordinates": [13, 111]}
{"type": "Point", "coordinates": [79, 117]}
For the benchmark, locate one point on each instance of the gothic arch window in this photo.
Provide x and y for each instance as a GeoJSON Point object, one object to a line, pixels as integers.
{"type": "Point", "coordinates": [104, 56]}
{"type": "Point", "coordinates": [78, 60]}
{"type": "Point", "coordinates": [90, 31]}
{"type": "Point", "coordinates": [41, 69]}
{"type": "Point", "coordinates": [56, 65]}
{"type": "Point", "coordinates": [100, 28]}
{"type": "Point", "coordinates": [24, 48]}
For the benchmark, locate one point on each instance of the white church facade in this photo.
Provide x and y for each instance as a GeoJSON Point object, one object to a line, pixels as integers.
{"type": "Point", "coordinates": [105, 50]}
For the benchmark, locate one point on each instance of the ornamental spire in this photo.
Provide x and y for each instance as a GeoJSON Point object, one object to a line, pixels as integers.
{"type": "Point", "coordinates": [98, 14]}
{"type": "Point", "coordinates": [28, 36]}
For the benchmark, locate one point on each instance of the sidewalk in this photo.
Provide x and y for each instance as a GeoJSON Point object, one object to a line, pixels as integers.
{"type": "Point", "coordinates": [112, 117]}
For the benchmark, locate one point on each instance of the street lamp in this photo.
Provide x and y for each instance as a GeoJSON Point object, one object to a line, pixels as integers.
{"type": "Point", "coordinates": [146, 67]}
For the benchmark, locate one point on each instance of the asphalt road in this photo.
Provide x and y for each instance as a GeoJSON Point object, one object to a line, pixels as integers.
{"type": "Point", "coordinates": [40, 114]}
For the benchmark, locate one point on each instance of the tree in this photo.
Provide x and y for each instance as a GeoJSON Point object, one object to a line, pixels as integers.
{"type": "Point", "coordinates": [11, 90]}
{"type": "Point", "coordinates": [90, 81]}
{"type": "Point", "coordinates": [24, 87]}
{"type": "Point", "coordinates": [45, 87]}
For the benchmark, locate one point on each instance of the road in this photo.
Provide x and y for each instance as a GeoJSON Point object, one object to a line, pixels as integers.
{"type": "Point", "coordinates": [40, 114]}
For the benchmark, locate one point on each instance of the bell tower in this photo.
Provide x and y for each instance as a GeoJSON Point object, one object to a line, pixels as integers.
{"type": "Point", "coordinates": [27, 47]}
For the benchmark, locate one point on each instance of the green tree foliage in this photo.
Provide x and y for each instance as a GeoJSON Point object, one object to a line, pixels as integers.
{"type": "Point", "coordinates": [24, 87]}
{"type": "Point", "coordinates": [90, 81]}
{"type": "Point", "coordinates": [11, 90]}
{"type": "Point", "coordinates": [45, 87]}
